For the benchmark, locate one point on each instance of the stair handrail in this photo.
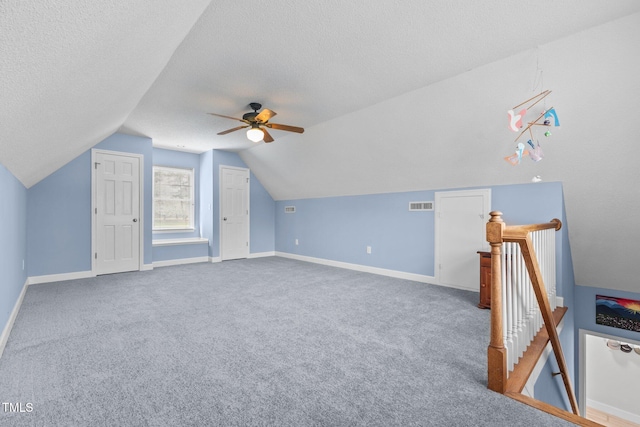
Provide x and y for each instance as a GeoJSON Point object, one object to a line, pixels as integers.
{"type": "Point", "coordinates": [497, 232]}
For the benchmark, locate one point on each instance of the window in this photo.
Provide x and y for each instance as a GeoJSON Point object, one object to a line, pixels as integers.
{"type": "Point", "coordinates": [173, 200]}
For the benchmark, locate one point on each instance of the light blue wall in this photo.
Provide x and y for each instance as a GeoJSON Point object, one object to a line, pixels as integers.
{"type": "Point", "coordinates": [568, 337]}
{"type": "Point", "coordinates": [184, 160]}
{"type": "Point", "coordinates": [340, 229]}
{"type": "Point", "coordinates": [549, 388]}
{"type": "Point", "coordinates": [59, 211]}
{"type": "Point", "coordinates": [528, 203]}
{"type": "Point", "coordinates": [13, 242]}
{"type": "Point", "coordinates": [263, 213]}
{"type": "Point", "coordinates": [261, 203]}
{"type": "Point", "coordinates": [206, 199]}
{"type": "Point", "coordinates": [59, 220]}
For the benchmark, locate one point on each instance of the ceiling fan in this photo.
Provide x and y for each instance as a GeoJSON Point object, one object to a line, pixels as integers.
{"type": "Point", "coordinates": [257, 124]}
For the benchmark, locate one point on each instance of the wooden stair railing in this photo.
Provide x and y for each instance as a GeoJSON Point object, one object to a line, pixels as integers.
{"type": "Point", "coordinates": [497, 233]}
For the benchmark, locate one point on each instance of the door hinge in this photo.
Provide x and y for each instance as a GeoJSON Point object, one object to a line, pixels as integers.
{"type": "Point", "coordinates": [247, 243]}
{"type": "Point", "coordinates": [95, 210]}
{"type": "Point", "coordinates": [95, 255]}
{"type": "Point", "coordinates": [247, 179]}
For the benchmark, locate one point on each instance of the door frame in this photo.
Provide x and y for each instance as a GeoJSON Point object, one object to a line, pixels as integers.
{"type": "Point", "coordinates": [94, 224]}
{"type": "Point", "coordinates": [220, 202]}
{"type": "Point", "coordinates": [439, 195]}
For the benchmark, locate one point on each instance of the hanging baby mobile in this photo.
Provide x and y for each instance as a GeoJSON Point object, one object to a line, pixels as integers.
{"type": "Point", "coordinates": [547, 118]}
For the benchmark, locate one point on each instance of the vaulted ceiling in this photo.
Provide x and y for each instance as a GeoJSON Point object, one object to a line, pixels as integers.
{"type": "Point", "coordinates": [374, 84]}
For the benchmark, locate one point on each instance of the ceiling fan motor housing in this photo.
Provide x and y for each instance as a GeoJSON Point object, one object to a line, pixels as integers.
{"type": "Point", "coordinates": [251, 117]}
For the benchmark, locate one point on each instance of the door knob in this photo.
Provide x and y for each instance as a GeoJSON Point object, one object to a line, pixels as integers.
{"type": "Point", "coordinates": [224, 219]}
{"type": "Point", "coordinates": [135, 219]}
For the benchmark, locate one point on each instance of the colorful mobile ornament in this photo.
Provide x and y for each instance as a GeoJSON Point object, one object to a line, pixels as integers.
{"type": "Point", "coordinates": [536, 153]}
{"type": "Point", "coordinates": [551, 113]}
{"type": "Point", "coordinates": [548, 116]}
{"type": "Point", "coordinates": [516, 158]}
{"type": "Point", "coordinates": [515, 120]}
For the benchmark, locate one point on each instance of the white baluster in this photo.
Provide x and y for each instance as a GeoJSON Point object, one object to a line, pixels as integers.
{"type": "Point", "coordinates": [552, 265]}
{"type": "Point", "coordinates": [522, 274]}
{"type": "Point", "coordinates": [508, 298]}
{"type": "Point", "coordinates": [504, 281]}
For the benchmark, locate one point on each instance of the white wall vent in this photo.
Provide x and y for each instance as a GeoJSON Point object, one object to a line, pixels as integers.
{"type": "Point", "coordinates": [420, 206]}
{"type": "Point", "coordinates": [289, 209]}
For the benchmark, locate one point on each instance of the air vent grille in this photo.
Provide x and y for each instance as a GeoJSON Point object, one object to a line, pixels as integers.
{"type": "Point", "coordinates": [289, 209]}
{"type": "Point", "coordinates": [420, 206]}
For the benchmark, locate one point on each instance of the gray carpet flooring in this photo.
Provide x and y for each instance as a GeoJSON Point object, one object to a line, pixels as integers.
{"type": "Point", "coordinates": [260, 342]}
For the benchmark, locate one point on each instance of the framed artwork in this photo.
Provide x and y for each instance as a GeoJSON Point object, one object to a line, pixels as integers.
{"type": "Point", "coordinates": [618, 313]}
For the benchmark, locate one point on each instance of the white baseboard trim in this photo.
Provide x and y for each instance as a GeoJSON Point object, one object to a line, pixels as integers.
{"type": "Point", "coordinates": [358, 267]}
{"type": "Point", "coordinates": [180, 261]}
{"type": "Point", "coordinates": [261, 254]}
{"type": "Point", "coordinates": [612, 410]}
{"type": "Point", "coordinates": [12, 318]}
{"type": "Point", "coordinates": [215, 259]}
{"type": "Point", "coordinates": [50, 278]}
{"type": "Point", "coordinates": [447, 285]}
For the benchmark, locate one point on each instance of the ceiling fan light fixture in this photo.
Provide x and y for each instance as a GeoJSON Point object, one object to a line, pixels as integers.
{"type": "Point", "coordinates": [255, 134]}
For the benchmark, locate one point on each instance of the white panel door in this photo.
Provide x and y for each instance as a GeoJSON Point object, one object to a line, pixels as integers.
{"type": "Point", "coordinates": [117, 213]}
{"type": "Point", "coordinates": [234, 210]}
{"type": "Point", "coordinates": [461, 218]}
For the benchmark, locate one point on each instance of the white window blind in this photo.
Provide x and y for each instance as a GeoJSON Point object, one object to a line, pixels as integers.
{"type": "Point", "coordinates": [173, 198]}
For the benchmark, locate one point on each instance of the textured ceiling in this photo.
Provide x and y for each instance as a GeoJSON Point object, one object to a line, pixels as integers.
{"type": "Point", "coordinates": [315, 61]}
{"type": "Point", "coordinates": [73, 72]}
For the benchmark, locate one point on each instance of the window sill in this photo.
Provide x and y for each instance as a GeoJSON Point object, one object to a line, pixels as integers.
{"type": "Point", "coordinates": [186, 241]}
{"type": "Point", "coordinates": [173, 230]}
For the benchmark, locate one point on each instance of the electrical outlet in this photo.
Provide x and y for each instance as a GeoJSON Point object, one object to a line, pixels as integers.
{"type": "Point", "coordinates": [369, 250]}
{"type": "Point", "coordinates": [296, 242]}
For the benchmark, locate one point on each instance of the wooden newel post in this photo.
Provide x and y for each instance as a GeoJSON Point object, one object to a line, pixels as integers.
{"type": "Point", "coordinates": [496, 353]}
